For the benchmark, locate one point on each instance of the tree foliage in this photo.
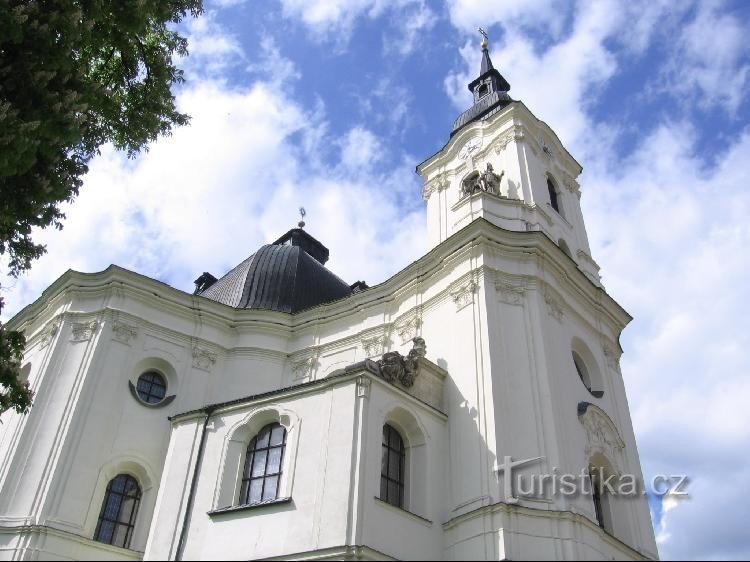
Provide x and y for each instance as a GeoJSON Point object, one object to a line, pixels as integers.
{"type": "Point", "coordinates": [14, 392]}
{"type": "Point", "coordinates": [74, 75]}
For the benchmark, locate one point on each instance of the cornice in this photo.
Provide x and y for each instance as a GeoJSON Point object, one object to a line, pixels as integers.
{"type": "Point", "coordinates": [203, 312]}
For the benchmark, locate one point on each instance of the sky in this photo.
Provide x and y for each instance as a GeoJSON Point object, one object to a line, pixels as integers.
{"type": "Point", "coordinates": [330, 104]}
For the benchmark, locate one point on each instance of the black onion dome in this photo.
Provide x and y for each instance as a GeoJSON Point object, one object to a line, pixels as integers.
{"type": "Point", "coordinates": [287, 276]}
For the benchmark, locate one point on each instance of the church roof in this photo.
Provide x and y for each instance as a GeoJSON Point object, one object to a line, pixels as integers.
{"type": "Point", "coordinates": [286, 276]}
{"type": "Point", "coordinates": [490, 91]}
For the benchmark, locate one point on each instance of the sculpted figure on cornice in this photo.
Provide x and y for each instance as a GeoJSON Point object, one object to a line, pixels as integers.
{"type": "Point", "coordinates": [487, 181]}
{"type": "Point", "coordinates": [395, 367]}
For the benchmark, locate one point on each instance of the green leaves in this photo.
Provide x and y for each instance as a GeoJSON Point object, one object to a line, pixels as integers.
{"type": "Point", "coordinates": [74, 75]}
{"type": "Point", "coordinates": [14, 393]}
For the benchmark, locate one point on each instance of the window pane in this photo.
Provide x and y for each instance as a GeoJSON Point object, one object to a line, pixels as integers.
{"type": "Point", "coordinates": [269, 491]}
{"type": "Point", "coordinates": [384, 462]}
{"type": "Point", "coordinates": [383, 489]}
{"type": "Point", "coordinates": [385, 434]}
{"type": "Point", "coordinates": [131, 486]}
{"type": "Point", "coordinates": [112, 506]}
{"type": "Point", "coordinates": [393, 494]}
{"type": "Point", "coordinates": [128, 505]}
{"type": "Point", "coordinates": [274, 461]}
{"type": "Point", "coordinates": [118, 484]}
{"type": "Point", "coordinates": [120, 536]}
{"type": "Point", "coordinates": [106, 529]}
{"type": "Point", "coordinates": [394, 466]}
{"type": "Point", "coordinates": [263, 437]}
{"type": "Point", "coordinates": [396, 442]}
{"type": "Point", "coordinates": [248, 464]}
{"type": "Point", "coordinates": [277, 435]}
{"type": "Point", "coordinates": [256, 489]}
{"type": "Point", "coordinates": [259, 463]}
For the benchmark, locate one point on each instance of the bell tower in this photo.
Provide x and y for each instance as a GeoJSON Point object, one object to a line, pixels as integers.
{"type": "Point", "coordinates": [503, 164]}
{"type": "Point", "coordinates": [532, 346]}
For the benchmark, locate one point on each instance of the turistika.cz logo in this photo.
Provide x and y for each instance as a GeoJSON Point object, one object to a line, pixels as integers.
{"type": "Point", "coordinates": [517, 485]}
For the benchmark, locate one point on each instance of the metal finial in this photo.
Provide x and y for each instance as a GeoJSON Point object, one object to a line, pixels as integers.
{"type": "Point", "coordinates": [485, 39]}
{"type": "Point", "coordinates": [302, 214]}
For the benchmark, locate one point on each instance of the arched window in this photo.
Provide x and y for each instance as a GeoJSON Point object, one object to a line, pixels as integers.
{"type": "Point", "coordinates": [393, 465]}
{"type": "Point", "coordinates": [262, 474]}
{"type": "Point", "coordinates": [119, 510]}
{"type": "Point", "coordinates": [553, 195]}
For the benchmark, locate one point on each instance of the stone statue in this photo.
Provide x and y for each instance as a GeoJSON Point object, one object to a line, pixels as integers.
{"type": "Point", "coordinates": [395, 367]}
{"type": "Point", "coordinates": [420, 348]}
{"type": "Point", "coordinates": [488, 181]}
{"type": "Point", "coordinates": [471, 184]}
{"type": "Point", "coordinates": [391, 366]}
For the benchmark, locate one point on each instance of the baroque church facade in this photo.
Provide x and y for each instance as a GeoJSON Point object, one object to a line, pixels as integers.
{"type": "Point", "coordinates": [282, 413]}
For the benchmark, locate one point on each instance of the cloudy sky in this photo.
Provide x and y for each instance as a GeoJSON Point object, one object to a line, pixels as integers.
{"type": "Point", "coordinates": [331, 103]}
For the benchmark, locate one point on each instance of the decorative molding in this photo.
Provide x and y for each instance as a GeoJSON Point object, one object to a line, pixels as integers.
{"type": "Point", "coordinates": [124, 333]}
{"type": "Point", "coordinates": [203, 359]}
{"type": "Point", "coordinates": [601, 431]}
{"type": "Point", "coordinates": [517, 134]}
{"type": "Point", "coordinates": [408, 326]}
{"type": "Point", "coordinates": [554, 306]}
{"type": "Point", "coordinates": [463, 296]}
{"type": "Point", "coordinates": [438, 183]}
{"type": "Point", "coordinates": [304, 369]}
{"type": "Point", "coordinates": [547, 151]}
{"type": "Point", "coordinates": [509, 292]}
{"type": "Point", "coordinates": [363, 387]}
{"type": "Point", "coordinates": [376, 345]}
{"type": "Point", "coordinates": [83, 331]}
{"type": "Point", "coordinates": [612, 357]}
{"type": "Point", "coordinates": [50, 331]}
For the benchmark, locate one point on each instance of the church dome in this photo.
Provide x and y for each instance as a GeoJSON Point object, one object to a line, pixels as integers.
{"type": "Point", "coordinates": [287, 276]}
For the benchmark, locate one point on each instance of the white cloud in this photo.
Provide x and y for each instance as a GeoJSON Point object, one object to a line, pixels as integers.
{"type": "Point", "coordinates": [709, 64]}
{"type": "Point", "coordinates": [469, 15]}
{"type": "Point", "coordinates": [212, 49]}
{"type": "Point", "coordinates": [336, 19]}
{"type": "Point", "coordinates": [238, 173]}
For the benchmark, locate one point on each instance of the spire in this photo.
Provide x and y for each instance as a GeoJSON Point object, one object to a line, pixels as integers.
{"type": "Point", "coordinates": [490, 90]}
{"type": "Point", "coordinates": [486, 60]}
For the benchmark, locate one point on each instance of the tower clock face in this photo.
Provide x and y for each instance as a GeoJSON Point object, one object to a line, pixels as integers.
{"type": "Point", "coordinates": [472, 145]}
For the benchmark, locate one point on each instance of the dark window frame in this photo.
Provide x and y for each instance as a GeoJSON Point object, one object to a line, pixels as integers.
{"type": "Point", "coordinates": [553, 198]}
{"type": "Point", "coordinates": [393, 446]}
{"type": "Point", "coordinates": [596, 497]}
{"type": "Point", "coordinates": [151, 387]}
{"type": "Point", "coordinates": [261, 447]}
{"type": "Point", "coordinates": [109, 525]}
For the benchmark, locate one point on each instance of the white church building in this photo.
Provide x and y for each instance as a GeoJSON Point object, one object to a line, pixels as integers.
{"type": "Point", "coordinates": [282, 413]}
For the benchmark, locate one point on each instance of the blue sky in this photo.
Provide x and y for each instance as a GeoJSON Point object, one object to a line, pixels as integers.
{"type": "Point", "coordinates": [331, 103]}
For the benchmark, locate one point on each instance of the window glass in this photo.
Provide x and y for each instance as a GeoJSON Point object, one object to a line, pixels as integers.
{"type": "Point", "coordinates": [119, 510]}
{"type": "Point", "coordinates": [392, 467]}
{"type": "Point", "coordinates": [151, 387]}
{"type": "Point", "coordinates": [263, 465]}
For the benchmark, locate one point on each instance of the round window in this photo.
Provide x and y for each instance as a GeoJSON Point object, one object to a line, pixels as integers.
{"type": "Point", "coordinates": [152, 387]}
